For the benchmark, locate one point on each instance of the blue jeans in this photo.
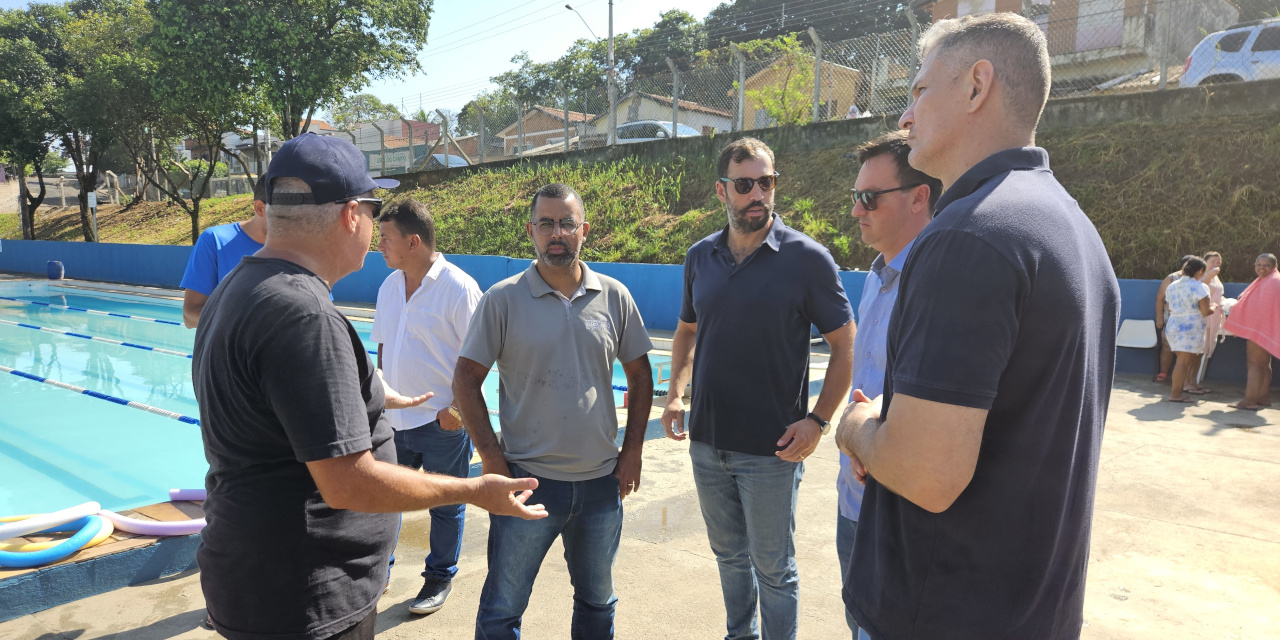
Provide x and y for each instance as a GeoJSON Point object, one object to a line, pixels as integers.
{"type": "Point", "coordinates": [587, 516]}
{"type": "Point", "coordinates": [846, 530]}
{"type": "Point", "coordinates": [749, 505]}
{"type": "Point", "coordinates": [437, 450]}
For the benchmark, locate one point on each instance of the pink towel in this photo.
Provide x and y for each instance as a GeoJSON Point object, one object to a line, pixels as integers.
{"type": "Point", "coordinates": [1256, 316]}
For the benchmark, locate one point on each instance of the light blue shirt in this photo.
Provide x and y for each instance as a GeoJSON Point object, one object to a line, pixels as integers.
{"type": "Point", "coordinates": [879, 294]}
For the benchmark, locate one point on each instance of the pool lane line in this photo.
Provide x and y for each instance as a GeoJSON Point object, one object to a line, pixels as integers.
{"type": "Point", "coordinates": [101, 396]}
{"type": "Point", "coordinates": [95, 338]}
{"type": "Point", "coordinates": [91, 311]}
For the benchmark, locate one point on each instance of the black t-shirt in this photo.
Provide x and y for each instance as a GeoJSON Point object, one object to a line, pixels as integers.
{"type": "Point", "coordinates": [283, 379]}
{"type": "Point", "coordinates": [751, 354]}
{"type": "Point", "coordinates": [1007, 303]}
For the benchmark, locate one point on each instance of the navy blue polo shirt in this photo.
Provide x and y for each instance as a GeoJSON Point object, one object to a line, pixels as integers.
{"type": "Point", "coordinates": [1007, 303]}
{"type": "Point", "coordinates": [751, 355]}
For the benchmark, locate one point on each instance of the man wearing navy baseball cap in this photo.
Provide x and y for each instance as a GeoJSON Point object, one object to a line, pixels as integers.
{"type": "Point", "coordinates": [303, 483]}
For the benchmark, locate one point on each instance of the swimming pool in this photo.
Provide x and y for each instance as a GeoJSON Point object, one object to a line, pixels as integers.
{"type": "Point", "coordinates": [59, 446]}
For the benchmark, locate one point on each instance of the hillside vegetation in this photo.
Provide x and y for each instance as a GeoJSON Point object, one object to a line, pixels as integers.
{"type": "Point", "coordinates": [1156, 191]}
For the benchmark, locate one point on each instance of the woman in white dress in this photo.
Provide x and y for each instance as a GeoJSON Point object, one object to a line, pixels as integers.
{"type": "Point", "coordinates": [1189, 305]}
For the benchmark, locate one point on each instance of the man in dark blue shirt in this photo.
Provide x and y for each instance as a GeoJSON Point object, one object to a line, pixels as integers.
{"type": "Point", "coordinates": [751, 292]}
{"type": "Point", "coordinates": [981, 464]}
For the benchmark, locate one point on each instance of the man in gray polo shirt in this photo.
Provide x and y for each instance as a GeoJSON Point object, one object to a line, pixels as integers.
{"type": "Point", "coordinates": [555, 331]}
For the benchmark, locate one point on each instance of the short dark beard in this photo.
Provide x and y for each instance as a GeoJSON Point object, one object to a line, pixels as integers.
{"type": "Point", "coordinates": [738, 220]}
{"type": "Point", "coordinates": [558, 260]}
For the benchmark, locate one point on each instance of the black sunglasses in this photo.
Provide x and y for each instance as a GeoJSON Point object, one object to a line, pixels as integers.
{"type": "Point", "coordinates": [868, 198]}
{"type": "Point", "coordinates": [376, 202]}
{"type": "Point", "coordinates": [743, 185]}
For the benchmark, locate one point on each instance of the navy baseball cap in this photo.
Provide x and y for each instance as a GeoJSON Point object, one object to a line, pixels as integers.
{"type": "Point", "coordinates": [332, 167]}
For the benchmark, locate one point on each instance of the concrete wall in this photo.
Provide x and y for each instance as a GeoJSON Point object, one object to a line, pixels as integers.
{"type": "Point", "coordinates": [657, 288]}
{"type": "Point", "coordinates": [1174, 105]}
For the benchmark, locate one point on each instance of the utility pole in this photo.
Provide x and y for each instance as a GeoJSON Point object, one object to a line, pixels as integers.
{"type": "Point", "coordinates": [817, 71]}
{"type": "Point", "coordinates": [480, 136]}
{"type": "Point", "coordinates": [742, 85]}
{"type": "Point", "coordinates": [675, 98]}
{"type": "Point", "coordinates": [613, 85]}
{"type": "Point", "coordinates": [564, 89]}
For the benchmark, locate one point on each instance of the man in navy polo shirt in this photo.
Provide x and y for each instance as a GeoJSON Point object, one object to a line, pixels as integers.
{"type": "Point", "coordinates": [981, 457]}
{"type": "Point", "coordinates": [751, 292]}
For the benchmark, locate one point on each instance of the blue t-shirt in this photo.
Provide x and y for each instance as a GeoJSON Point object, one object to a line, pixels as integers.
{"type": "Point", "coordinates": [218, 250]}
{"type": "Point", "coordinates": [1008, 303]}
{"type": "Point", "coordinates": [751, 353]}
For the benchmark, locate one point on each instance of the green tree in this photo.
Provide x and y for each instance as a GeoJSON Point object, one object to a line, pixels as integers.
{"type": "Point", "coordinates": [26, 85]}
{"type": "Point", "coordinates": [499, 110]}
{"type": "Point", "coordinates": [363, 107]}
{"type": "Point", "coordinates": [746, 20]}
{"type": "Point", "coordinates": [676, 35]}
{"type": "Point", "coordinates": [789, 100]}
{"type": "Point", "coordinates": [307, 53]}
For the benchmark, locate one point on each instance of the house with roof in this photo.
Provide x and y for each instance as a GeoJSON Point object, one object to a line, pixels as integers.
{"type": "Point", "coordinates": [542, 126]}
{"type": "Point", "coordinates": [638, 105]}
{"type": "Point", "coordinates": [839, 89]}
{"type": "Point", "coordinates": [1095, 41]}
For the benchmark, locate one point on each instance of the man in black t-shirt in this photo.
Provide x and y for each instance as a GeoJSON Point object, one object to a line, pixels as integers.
{"type": "Point", "coordinates": [980, 460]}
{"type": "Point", "coordinates": [303, 483]}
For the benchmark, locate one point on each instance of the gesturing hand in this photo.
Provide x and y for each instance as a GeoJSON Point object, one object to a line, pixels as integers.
{"type": "Point", "coordinates": [506, 497]}
{"type": "Point", "coordinates": [396, 401]}
{"type": "Point", "coordinates": [800, 439]}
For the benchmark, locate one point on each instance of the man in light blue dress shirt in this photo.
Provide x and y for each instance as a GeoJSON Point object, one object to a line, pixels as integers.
{"type": "Point", "coordinates": [892, 203]}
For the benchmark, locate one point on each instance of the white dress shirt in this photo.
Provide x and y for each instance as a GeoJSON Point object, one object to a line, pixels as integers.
{"type": "Point", "coordinates": [421, 337]}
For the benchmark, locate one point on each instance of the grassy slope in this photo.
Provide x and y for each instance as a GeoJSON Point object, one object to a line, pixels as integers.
{"type": "Point", "coordinates": [1156, 191]}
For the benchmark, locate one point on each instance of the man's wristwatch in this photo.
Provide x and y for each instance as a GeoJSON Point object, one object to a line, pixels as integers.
{"type": "Point", "coordinates": [826, 426]}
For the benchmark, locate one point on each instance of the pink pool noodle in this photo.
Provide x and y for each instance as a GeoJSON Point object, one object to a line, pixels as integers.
{"type": "Point", "coordinates": [153, 527]}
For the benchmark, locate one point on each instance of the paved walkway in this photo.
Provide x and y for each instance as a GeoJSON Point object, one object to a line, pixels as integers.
{"type": "Point", "coordinates": [1186, 544]}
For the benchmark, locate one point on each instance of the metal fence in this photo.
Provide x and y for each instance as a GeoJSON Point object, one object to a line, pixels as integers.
{"type": "Point", "coordinates": [1095, 46]}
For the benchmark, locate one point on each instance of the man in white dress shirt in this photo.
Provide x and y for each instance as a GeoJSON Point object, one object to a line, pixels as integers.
{"type": "Point", "coordinates": [424, 308]}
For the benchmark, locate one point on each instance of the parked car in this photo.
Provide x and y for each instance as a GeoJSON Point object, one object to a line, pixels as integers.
{"type": "Point", "coordinates": [1246, 51]}
{"type": "Point", "coordinates": [646, 130]}
{"type": "Point", "coordinates": [437, 161]}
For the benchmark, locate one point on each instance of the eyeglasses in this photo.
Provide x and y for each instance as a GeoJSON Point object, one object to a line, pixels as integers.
{"type": "Point", "coordinates": [868, 198]}
{"type": "Point", "coordinates": [548, 227]}
{"type": "Point", "coordinates": [743, 185]}
{"type": "Point", "coordinates": [376, 202]}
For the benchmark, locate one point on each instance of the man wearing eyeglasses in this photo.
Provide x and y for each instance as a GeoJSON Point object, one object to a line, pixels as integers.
{"type": "Point", "coordinates": [751, 292]}
{"type": "Point", "coordinates": [554, 332]}
{"type": "Point", "coordinates": [303, 482]}
{"type": "Point", "coordinates": [892, 203]}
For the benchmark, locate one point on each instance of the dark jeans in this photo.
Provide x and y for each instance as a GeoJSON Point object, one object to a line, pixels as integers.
{"type": "Point", "coordinates": [449, 453]}
{"type": "Point", "coordinates": [363, 630]}
{"type": "Point", "coordinates": [846, 531]}
{"type": "Point", "coordinates": [587, 516]}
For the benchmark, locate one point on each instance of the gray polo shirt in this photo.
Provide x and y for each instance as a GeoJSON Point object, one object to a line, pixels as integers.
{"type": "Point", "coordinates": [555, 369]}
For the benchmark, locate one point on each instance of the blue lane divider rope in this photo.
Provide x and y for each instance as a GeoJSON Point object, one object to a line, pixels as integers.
{"type": "Point", "coordinates": [90, 311]}
{"type": "Point", "coordinates": [95, 338]}
{"type": "Point", "coordinates": [101, 396]}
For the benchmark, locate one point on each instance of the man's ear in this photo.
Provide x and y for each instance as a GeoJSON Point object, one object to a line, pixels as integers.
{"type": "Point", "coordinates": [981, 80]}
{"type": "Point", "coordinates": [720, 192]}
{"type": "Point", "coordinates": [351, 216]}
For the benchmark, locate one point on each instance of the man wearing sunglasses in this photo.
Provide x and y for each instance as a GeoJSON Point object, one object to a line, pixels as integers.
{"type": "Point", "coordinates": [980, 459]}
{"type": "Point", "coordinates": [751, 293]}
{"type": "Point", "coordinates": [303, 482]}
{"type": "Point", "coordinates": [892, 203]}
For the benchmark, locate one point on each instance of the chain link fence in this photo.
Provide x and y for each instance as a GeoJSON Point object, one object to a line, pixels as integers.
{"type": "Point", "coordinates": [1095, 47]}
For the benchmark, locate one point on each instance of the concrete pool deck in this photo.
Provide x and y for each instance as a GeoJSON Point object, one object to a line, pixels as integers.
{"type": "Point", "coordinates": [1186, 544]}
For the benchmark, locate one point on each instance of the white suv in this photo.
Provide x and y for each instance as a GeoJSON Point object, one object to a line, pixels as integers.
{"type": "Point", "coordinates": [1247, 51]}
{"type": "Point", "coordinates": [646, 130]}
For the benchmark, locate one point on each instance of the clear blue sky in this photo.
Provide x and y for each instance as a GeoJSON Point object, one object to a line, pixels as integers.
{"type": "Point", "coordinates": [472, 40]}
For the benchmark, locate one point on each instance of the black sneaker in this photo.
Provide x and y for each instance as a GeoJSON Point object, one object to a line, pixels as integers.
{"type": "Point", "coordinates": [431, 598]}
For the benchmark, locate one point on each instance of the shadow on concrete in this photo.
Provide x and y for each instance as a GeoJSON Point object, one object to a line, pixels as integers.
{"type": "Point", "coordinates": [1161, 411]}
{"type": "Point", "coordinates": [1234, 419]}
{"type": "Point", "coordinates": [398, 614]}
{"type": "Point", "coordinates": [62, 635]}
{"type": "Point", "coordinates": [170, 627]}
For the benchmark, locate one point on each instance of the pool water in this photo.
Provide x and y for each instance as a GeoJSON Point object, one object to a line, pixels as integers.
{"type": "Point", "coordinates": [59, 448]}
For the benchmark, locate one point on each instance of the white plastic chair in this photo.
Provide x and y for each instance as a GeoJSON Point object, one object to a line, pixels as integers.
{"type": "Point", "coordinates": [1137, 334]}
